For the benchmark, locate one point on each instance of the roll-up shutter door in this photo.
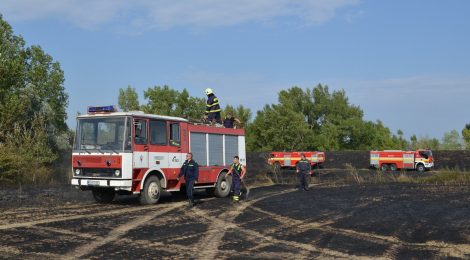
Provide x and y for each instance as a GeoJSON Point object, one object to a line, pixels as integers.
{"type": "Point", "coordinates": [198, 148]}
{"type": "Point", "coordinates": [231, 148]}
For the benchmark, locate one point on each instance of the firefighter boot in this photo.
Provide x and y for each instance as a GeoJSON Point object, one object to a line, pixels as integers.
{"type": "Point", "coordinates": [236, 198]}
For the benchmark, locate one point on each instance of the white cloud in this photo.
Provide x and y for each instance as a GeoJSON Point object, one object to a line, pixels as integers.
{"type": "Point", "coordinates": [164, 14]}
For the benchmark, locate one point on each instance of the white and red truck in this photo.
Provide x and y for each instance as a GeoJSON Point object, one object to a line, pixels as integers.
{"type": "Point", "coordinates": [290, 159]}
{"type": "Point", "coordinates": [137, 153]}
{"type": "Point", "coordinates": [420, 160]}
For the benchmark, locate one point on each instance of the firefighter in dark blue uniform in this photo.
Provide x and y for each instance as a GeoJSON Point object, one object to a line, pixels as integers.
{"type": "Point", "coordinates": [229, 121]}
{"type": "Point", "coordinates": [304, 168]}
{"type": "Point", "coordinates": [212, 107]}
{"type": "Point", "coordinates": [237, 170]}
{"type": "Point", "coordinates": [190, 171]}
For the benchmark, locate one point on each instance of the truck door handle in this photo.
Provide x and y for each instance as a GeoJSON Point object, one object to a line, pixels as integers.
{"type": "Point", "coordinates": [146, 148]}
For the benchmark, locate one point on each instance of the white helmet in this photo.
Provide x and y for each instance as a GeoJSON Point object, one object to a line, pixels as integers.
{"type": "Point", "coordinates": [208, 91]}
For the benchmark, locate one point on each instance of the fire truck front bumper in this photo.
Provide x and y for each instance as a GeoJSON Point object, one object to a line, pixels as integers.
{"type": "Point", "coordinates": [429, 165]}
{"type": "Point", "coordinates": [90, 183]}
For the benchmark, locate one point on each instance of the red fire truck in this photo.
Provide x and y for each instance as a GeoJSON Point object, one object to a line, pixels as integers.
{"type": "Point", "coordinates": [137, 153]}
{"type": "Point", "coordinates": [420, 160]}
{"type": "Point", "coordinates": [290, 159]}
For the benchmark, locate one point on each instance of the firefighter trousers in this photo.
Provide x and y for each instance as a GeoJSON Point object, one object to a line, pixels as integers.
{"type": "Point", "coordinates": [190, 189]}
{"type": "Point", "coordinates": [214, 116]}
{"type": "Point", "coordinates": [303, 180]}
{"type": "Point", "coordinates": [236, 183]}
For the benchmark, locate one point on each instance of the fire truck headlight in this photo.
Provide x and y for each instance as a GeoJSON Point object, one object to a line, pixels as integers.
{"type": "Point", "coordinates": [117, 172]}
{"type": "Point", "coordinates": [77, 171]}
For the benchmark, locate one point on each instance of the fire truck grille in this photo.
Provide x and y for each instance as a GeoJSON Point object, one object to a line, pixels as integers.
{"type": "Point", "coordinates": [99, 172]}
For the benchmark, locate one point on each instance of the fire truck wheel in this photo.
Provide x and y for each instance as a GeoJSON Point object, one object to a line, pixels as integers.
{"type": "Point", "coordinates": [393, 167]}
{"type": "Point", "coordinates": [102, 195]}
{"type": "Point", "coordinates": [384, 167]}
{"type": "Point", "coordinates": [223, 186]}
{"type": "Point", "coordinates": [151, 192]}
{"type": "Point", "coordinates": [420, 168]}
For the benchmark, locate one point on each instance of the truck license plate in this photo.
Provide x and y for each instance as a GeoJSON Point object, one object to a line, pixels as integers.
{"type": "Point", "coordinates": [93, 183]}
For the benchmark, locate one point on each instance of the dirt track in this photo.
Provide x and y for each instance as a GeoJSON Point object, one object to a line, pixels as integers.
{"type": "Point", "coordinates": [370, 221]}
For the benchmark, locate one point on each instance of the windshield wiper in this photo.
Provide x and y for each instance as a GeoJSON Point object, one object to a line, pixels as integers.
{"type": "Point", "coordinates": [87, 151]}
{"type": "Point", "coordinates": [99, 150]}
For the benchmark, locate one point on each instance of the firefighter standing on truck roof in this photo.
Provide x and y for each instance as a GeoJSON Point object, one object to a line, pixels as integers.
{"type": "Point", "coordinates": [237, 170]}
{"type": "Point", "coordinates": [190, 171]}
{"type": "Point", "coordinates": [212, 107]}
{"type": "Point", "coordinates": [304, 168]}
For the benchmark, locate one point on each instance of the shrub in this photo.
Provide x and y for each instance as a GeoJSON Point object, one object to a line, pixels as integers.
{"type": "Point", "coordinates": [25, 155]}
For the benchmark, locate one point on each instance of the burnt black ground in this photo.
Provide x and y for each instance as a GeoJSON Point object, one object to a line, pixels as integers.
{"type": "Point", "coordinates": [386, 220]}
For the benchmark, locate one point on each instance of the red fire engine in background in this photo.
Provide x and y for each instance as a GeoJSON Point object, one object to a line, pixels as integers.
{"type": "Point", "coordinates": [420, 160]}
{"type": "Point", "coordinates": [290, 159]}
{"type": "Point", "coordinates": [136, 153]}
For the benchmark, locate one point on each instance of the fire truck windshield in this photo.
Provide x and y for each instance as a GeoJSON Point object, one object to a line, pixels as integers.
{"type": "Point", "coordinates": [426, 154]}
{"type": "Point", "coordinates": [110, 134]}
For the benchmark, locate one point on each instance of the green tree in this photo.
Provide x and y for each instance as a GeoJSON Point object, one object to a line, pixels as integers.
{"type": "Point", "coordinates": [425, 142]}
{"type": "Point", "coordinates": [278, 128]}
{"type": "Point", "coordinates": [25, 154]}
{"type": "Point", "coordinates": [451, 141]}
{"type": "Point", "coordinates": [33, 106]}
{"type": "Point", "coordinates": [161, 100]}
{"type": "Point", "coordinates": [31, 83]}
{"type": "Point", "coordinates": [188, 106]}
{"type": "Point", "coordinates": [167, 101]}
{"type": "Point", "coordinates": [400, 141]}
{"type": "Point", "coordinates": [466, 136]}
{"type": "Point", "coordinates": [333, 122]}
{"type": "Point", "coordinates": [128, 99]}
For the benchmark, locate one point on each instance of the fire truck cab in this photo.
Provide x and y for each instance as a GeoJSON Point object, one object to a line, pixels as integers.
{"type": "Point", "coordinates": [137, 153]}
{"type": "Point", "coordinates": [420, 160]}
{"type": "Point", "coordinates": [290, 159]}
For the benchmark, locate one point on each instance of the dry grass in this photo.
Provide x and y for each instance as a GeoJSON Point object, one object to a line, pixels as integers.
{"type": "Point", "coordinates": [447, 177]}
{"type": "Point", "coordinates": [354, 173]}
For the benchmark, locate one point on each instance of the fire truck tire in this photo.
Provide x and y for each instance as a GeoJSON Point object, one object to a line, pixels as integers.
{"type": "Point", "coordinates": [384, 167]}
{"type": "Point", "coordinates": [223, 185]}
{"type": "Point", "coordinates": [103, 195]}
{"type": "Point", "coordinates": [393, 167]}
{"type": "Point", "coordinates": [151, 191]}
{"type": "Point", "coordinates": [420, 168]}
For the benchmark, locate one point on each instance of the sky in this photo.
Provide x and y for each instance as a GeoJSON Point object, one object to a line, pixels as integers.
{"type": "Point", "coordinates": [404, 62]}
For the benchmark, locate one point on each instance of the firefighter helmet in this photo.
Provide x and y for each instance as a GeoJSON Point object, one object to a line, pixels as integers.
{"type": "Point", "coordinates": [208, 91]}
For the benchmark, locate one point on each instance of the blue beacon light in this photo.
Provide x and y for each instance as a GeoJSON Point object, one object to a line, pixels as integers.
{"type": "Point", "coordinates": [104, 109]}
